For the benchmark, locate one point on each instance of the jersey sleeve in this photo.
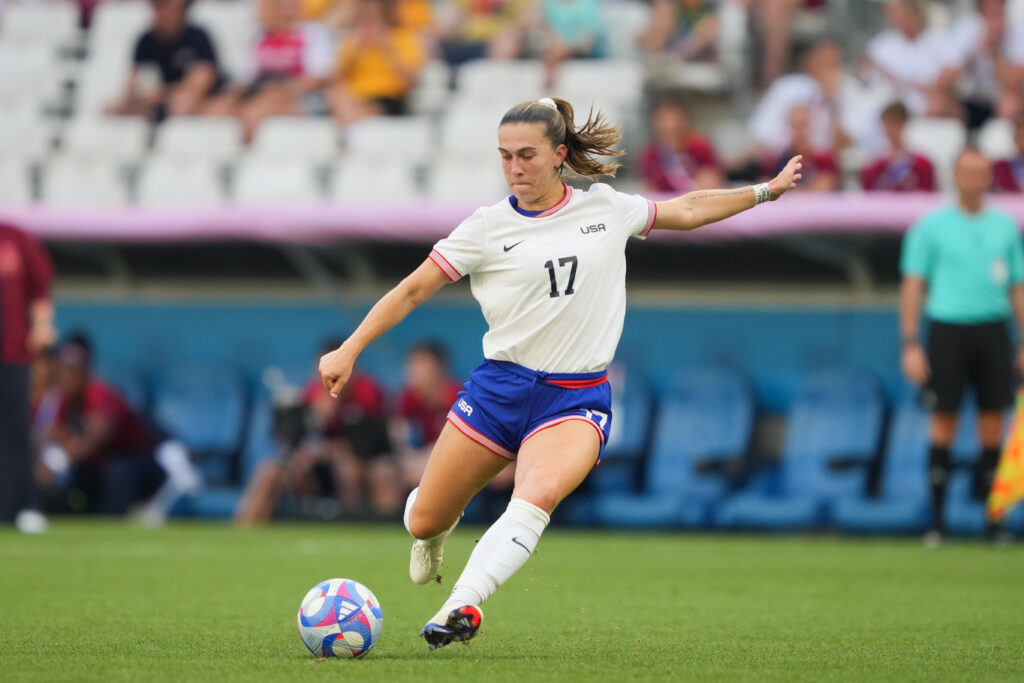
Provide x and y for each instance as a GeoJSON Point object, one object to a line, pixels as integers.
{"type": "Point", "coordinates": [634, 212]}
{"type": "Point", "coordinates": [915, 258]}
{"type": "Point", "coordinates": [461, 252]}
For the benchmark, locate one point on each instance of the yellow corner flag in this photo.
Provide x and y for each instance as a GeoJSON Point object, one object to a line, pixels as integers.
{"type": "Point", "coordinates": [1008, 487]}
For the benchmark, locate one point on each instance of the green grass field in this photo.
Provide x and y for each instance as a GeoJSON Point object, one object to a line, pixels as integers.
{"type": "Point", "coordinates": [92, 601]}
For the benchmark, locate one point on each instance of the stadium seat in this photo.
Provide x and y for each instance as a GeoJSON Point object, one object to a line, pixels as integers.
{"type": "Point", "coordinates": [53, 24]}
{"type": "Point", "coordinates": [582, 79]}
{"type": "Point", "coordinates": [259, 437]}
{"type": "Point", "coordinates": [204, 407]}
{"type": "Point", "coordinates": [74, 182]}
{"type": "Point", "coordinates": [705, 422]}
{"type": "Point", "coordinates": [128, 382]}
{"type": "Point", "coordinates": [456, 179]}
{"type": "Point", "coordinates": [506, 82]}
{"type": "Point", "coordinates": [431, 92]}
{"type": "Point", "coordinates": [179, 182]}
{"type": "Point", "coordinates": [471, 130]}
{"type": "Point", "coordinates": [99, 85]}
{"type": "Point", "coordinates": [373, 178]}
{"type": "Point", "coordinates": [24, 138]}
{"type": "Point", "coordinates": [29, 72]}
{"type": "Point", "coordinates": [837, 414]}
{"type": "Point", "coordinates": [904, 503]}
{"type": "Point", "coordinates": [116, 138]}
{"type": "Point", "coordinates": [632, 406]}
{"type": "Point", "coordinates": [217, 139]}
{"type": "Point", "coordinates": [941, 141]}
{"type": "Point", "coordinates": [995, 139]}
{"type": "Point", "coordinates": [405, 138]}
{"type": "Point", "coordinates": [233, 26]}
{"type": "Point", "coordinates": [113, 31]}
{"type": "Point", "coordinates": [965, 516]}
{"type": "Point", "coordinates": [313, 140]}
{"type": "Point", "coordinates": [15, 185]}
{"type": "Point", "coordinates": [271, 182]}
{"type": "Point", "coordinates": [630, 18]}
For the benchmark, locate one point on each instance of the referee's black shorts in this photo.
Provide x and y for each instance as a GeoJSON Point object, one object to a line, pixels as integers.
{"type": "Point", "coordinates": [975, 356]}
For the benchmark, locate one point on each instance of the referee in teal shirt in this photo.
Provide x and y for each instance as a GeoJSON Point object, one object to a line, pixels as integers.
{"type": "Point", "coordinates": [969, 260]}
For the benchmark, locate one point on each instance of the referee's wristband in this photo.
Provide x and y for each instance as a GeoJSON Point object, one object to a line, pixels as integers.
{"type": "Point", "coordinates": [762, 193]}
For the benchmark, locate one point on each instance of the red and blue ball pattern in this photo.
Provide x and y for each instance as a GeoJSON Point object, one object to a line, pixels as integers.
{"type": "Point", "coordinates": [340, 618]}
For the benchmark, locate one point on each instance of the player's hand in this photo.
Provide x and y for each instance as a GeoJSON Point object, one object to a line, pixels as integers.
{"type": "Point", "coordinates": [336, 369]}
{"type": "Point", "coordinates": [787, 178]}
{"type": "Point", "coordinates": [915, 364]}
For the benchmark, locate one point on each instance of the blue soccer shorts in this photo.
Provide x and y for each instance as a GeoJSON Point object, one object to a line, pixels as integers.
{"type": "Point", "coordinates": [504, 404]}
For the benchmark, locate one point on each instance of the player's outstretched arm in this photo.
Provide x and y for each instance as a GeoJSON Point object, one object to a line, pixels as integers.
{"type": "Point", "coordinates": [699, 208]}
{"type": "Point", "coordinates": [420, 285]}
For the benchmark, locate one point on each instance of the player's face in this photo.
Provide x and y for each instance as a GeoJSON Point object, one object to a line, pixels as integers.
{"type": "Point", "coordinates": [71, 381]}
{"type": "Point", "coordinates": [529, 160]}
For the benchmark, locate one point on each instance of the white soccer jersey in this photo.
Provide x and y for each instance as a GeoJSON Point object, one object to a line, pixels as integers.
{"type": "Point", "coordinates": [552, 287]}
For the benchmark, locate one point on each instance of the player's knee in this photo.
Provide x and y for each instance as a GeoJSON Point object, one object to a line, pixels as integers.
{"type": "Point", "coordinates": [544, 495]}
{"type": "Point", "coordinates": [943, 429]}
{"type": "Point", "coordinates": [425, 524]}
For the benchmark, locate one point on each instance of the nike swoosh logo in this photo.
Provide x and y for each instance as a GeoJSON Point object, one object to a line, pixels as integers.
{"type": "Point", "coordinates": [519, 543]}
{"type": "Point", "coordinates": [508, 248]}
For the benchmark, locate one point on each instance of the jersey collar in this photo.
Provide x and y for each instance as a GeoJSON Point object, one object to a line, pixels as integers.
{"type": "Point", "coordinates": [542, 212]}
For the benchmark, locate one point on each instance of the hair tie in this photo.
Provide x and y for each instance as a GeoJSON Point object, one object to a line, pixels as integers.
{"type": "Point", "coordinates": [547, 102]}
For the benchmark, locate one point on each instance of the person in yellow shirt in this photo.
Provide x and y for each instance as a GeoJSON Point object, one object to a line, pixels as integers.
{"type": "Point", "coordinates": [378, 64]}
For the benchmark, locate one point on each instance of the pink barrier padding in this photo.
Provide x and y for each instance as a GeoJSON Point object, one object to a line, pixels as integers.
{"type": "Point", "coordinates": [795, 214]}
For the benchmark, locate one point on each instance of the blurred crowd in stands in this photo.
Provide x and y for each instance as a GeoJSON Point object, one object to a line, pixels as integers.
{"type": "Point", "coordinates": [884, 109]}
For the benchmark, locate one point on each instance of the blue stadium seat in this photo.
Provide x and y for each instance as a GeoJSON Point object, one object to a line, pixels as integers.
{"type": "Point", "coordinates": [904, 504]}
{"type": "Point", "coordinates": [128, 382]}
{"type": "Point", "coordinates": [707, 417]}
{"type": "Point", "coordinates": [836, 414]}
{"type": "Point", "coordinates": [965, 516]}
{"type": "Point", "coordinates": [631, 409]}
{"type": "Point", "coordinates": [204, 407]}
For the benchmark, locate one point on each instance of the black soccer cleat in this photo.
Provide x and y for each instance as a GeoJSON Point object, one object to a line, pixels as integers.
{"type": "Point", "coordinates": [461, 625]}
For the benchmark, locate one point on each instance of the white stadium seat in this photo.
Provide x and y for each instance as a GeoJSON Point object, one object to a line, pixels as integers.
{"type": "Point", "coordinates": [24, 138]}
{"type": "Point", "coordinates": [467, 130]}
{"type": "Point", "coordinates": [373, 178]}
{"type": "Point", "coordinates": [504, 81]}
{"type": "Point", "coordinates": [77, 182]}
{"type": "Point", "coordinates": [630, 18]}
{"type": "Point", "coordinates": [619, 82]}
{"type": "Point", "coordinates": [275, 182]}
{"type": "Point", "coordinates": [995, 139]}
{"type": "Point", "coordinates": [217, 139]}
{"type": "Point", "coordinates": [232, 25]}
{"type": "Point", "coordinates": [179, 182]}
{"type": "Point", "coordinates": [431, 92]}
{"type": "Point", "coordinates": [115, 28]}
{"type": "Point", "coordinates": [28, 70]}
{"type": "Point", "coordinates": [53, 24]}
{"type": "Point", "coordinates": [941, 140]}
{"type": "Point", "coordinates": [457, 179]}
{"type": "Point", "coordinates": [100, 85]}
{"type": "Point", "coordinates": [297, 137]}
{"type": "Point", "coordinates": [396, 136]}
{"type": "Point", "coordinates": [118, 138]}
{"type": "Point", "coordinates": [15, 183]}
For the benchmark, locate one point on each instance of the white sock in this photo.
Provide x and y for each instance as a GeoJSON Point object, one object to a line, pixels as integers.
{"type": "Point", "coordinates": [499, 554]}
{"type": "Point", "coordinates": [408, 507]}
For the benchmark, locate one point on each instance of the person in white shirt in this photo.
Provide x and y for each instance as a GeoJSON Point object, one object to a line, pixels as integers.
{"type": "Point", "coordinates": [548, 267]}
{"type": "Point", "coordinates": [985, 62]}
{"type": "Point", "coordinates": [908, 58]}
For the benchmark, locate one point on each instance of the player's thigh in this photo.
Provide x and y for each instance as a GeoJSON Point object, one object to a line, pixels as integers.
{"type": "Point", "coordinates": [553, 462]}
{"type": "Point", "coordinates": [949, 358]}
{"type": "Point", "coordinates": [457, 469]}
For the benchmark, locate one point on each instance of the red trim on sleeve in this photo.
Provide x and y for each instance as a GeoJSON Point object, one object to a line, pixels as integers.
{"type": "Point", "coordinates": [446, 267]}
{"type": "Point", "coordinates": [652, 215]}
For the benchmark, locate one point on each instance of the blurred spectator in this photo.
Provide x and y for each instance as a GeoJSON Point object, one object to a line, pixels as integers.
{"type": "Point", "coordinates": [26, 327]}
{"type": "Point", "coordinates": [839, 110]}
{"type": "Point", "coordinates": [686, 29]}
{"type": "Point", "coordinates": [986, 63]}
{"type": "Point", "coordinates": [775, 19]}
{"type": "Point", "coordinates": [332, 449]}
{"type": "Point", "coordinates": [286, 72]}
{"type": "Point", "coordinates": [900, 170]}
{"type": "Point", "coordinates": [1008, 174]}
{"type": "Point", "coordinates": [186, 59]}
{"type": "Point", "coordinates": [679, 159]}
{"type": "Point", "coordinates": [378, 65]}
{"type": "Point", "coordinates": [429, 393]}
{"type": "Point", "coordinates": [575, 30]}
{"type": "Point", "coordinates": [908, 58]}
{"type": "Point", "coordinates": [474, 29]}
{"type": "Point", "coordinates": [820, 171]}
{"type": "Point", "coordinates": [101, 452]}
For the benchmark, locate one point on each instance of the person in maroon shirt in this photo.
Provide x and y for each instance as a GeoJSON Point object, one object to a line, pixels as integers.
{"type": "Point", "coordinates": [901, 170]}
{"type": "Point", "coordinates": [679, 159]}
{"type": "Point", "coordinates": [108, 446]}
{"type": "Point", "coordinates": [1008, 174]}
{"type": "Point", "coordinates": [428, 394]}
{"type": "Point", "coordinates": [820, 170]}
{"type": "Point", "coordinates": [342, 450]}
{"type": "Point", "coordinates": [26, 326]}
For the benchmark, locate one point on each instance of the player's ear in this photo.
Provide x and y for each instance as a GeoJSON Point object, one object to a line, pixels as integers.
{"type": "Point", "coordinates": [560, 153]}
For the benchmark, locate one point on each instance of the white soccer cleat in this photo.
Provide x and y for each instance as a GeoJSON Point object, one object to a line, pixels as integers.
{"type": "Point", "coordinates": [427, 555]}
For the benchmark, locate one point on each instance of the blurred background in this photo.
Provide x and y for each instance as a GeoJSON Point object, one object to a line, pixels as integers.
{"type": "Point", "coordinates": [224, 187]}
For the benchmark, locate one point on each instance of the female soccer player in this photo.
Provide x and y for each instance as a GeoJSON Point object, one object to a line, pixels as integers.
{"type": "Point", "coordinates": [548, 268]}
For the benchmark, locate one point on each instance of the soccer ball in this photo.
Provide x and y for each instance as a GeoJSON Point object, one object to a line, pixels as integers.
{"type": "Point", "coordinates": [340, 618]}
